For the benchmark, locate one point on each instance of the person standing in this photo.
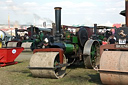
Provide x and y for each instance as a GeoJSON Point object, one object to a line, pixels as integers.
{"type": "Point", "coordinates": [104, 42]}
{"type": "Point", "coordinates": [112, 40]}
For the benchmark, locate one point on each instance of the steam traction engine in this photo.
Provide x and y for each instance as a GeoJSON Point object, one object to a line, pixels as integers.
{"type": "Point", "coordinates": [30, 38]}
{"type": "Point", "coordinates": [114, 62]}
{"type": "Point", "coordinates": [62, 48]}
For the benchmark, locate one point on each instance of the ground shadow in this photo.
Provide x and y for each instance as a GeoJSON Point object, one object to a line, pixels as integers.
{"type": "Point", "coordinates": [20, 61]}
{"type": "Point", "coordinates": [76, 65]}
{"type": "Point", "coordinates": [30, 75]}
{"type": "Point", "coordinates": [95, 78]}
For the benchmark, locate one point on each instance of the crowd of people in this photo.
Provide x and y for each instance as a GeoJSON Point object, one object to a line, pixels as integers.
{"type": "Point", "coordinates": [110, 40]}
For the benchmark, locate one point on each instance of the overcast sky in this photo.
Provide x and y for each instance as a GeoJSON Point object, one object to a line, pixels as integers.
{"type": "Point", "coordinates": [88, 12]}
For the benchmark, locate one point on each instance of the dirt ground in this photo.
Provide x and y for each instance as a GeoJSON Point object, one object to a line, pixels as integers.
{"type": "Point", "coordinates": [24, 56]}
{"type": "Point", "coordinates": [19, 74]}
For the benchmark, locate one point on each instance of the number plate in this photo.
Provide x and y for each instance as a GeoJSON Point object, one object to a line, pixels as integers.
{"type": "Point", "coordinates": [122, 41]}
{"type": "Point", "coordinates": [122, 46]}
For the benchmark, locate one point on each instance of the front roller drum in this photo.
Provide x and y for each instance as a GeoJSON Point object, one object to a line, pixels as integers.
{"type": "Point", "coordinates": [12, 44]}
{"type": "Point", "coordinates": [27, 46]}
{"type": "Point", "coordinates": [46, 63]}
{"type": "Point", "coordinates": [114, 67]}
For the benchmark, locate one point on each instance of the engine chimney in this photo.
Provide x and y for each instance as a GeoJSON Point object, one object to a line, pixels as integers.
{"type": "Point", "coordinates": [95, 29]}
{"type": "Point", "coordinates": [16, 33]}
{"type": "Point", "coordinates": [126, 12]}
{"type": "Point", "coordinates": [58, 19]}
{"type": "Point", "coordinates": [32, 31]}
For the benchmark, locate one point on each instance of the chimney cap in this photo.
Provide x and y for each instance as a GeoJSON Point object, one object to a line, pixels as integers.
{"type": "Point", "coordinates": [57, 8]}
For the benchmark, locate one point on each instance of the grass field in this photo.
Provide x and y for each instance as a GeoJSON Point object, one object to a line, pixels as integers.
{"type": "Point", "coordinates": [19, 74]}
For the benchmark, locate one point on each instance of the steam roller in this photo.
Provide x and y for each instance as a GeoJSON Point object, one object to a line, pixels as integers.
{"type": "Point", "coordinates": [35, 38]}
{"type": "Point", "coordinates": [65, 46]}
{"type": "Point", "coordinates": [29, 38]}
{"type": "Point", "coordinates": [113, 63]}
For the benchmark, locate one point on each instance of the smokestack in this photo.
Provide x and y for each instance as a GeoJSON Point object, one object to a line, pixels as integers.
{"type": "Point", "coordinates": [32, 29]}
{"type": "Point", "coordinates": [16, 33]}
{"type": "Point", "coordinates": [126, 12]}
{"type": "Point", "coordinates": [95, 29]}
{"type": "Point", "coordinates": [94, 36]}
{"type": "Point", "coordinates": [58, 19]}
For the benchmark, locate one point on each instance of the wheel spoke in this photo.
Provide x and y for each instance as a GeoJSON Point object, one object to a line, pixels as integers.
{"type": "Point", "coordinates": [93, 58]}
{"type": "Point", "coordinates": [94, 53]}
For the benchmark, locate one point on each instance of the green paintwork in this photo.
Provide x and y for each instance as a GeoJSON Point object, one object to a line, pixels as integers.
{"type": "Point", "coordinates": [76, 47]}
{"type": "Point", "coordinates": [41, 36]}
{"type": "Point", "coordinates": [28, 41]}
{"type": "Point", "coordinates": [69, 48]}
{"type": "Point", "coordinates": [74, 39]}
{"type": "Point", "coordinates": [68, 36]}
{"type": "Point", "coordinates": [93, 52]}
{"type": "Point", "coordinates": [101, 37]}
{"type": "Point", "coordinates": [37, 40]}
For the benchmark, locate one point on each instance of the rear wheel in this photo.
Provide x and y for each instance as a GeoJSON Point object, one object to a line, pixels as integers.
{"type": "Point", "coordinates": [91, 54]}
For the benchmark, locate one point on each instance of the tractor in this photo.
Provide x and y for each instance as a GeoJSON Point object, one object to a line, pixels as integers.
{"type": "Point", "coordinates": [65, 46]}
{"type": "Point", "coordinates": [29, 38]}
{"type": "Point", "coordinates": [114, 57]}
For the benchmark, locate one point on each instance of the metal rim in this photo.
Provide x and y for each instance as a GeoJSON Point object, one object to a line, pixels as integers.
{"type": "Point", "coordinates": [91, 54]}
{"type": "Point", "coordinates": [59, 72]}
